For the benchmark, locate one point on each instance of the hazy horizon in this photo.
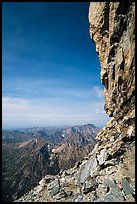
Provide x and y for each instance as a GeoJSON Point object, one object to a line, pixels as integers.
{"type": "Point", "coordinates": [48, 126]}
{"type": "Point", "coordinates": [50, 68]}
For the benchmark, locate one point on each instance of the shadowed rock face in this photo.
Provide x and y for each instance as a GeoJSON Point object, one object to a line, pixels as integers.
{"type": "Point", "coordinates": [107, 174]}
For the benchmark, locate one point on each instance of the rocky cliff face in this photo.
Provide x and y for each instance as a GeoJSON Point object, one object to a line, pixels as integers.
{"type": "Point", "coordinates": [112, 27]}
{"type": "Point", "coordinates": [108, 173]}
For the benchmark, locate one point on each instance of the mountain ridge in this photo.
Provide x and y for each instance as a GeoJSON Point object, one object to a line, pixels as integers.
{"type": "Point", "coordinates": [34, 153]}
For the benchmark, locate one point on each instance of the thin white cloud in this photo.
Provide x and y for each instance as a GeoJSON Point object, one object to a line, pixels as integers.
{"type": "Point", "coordinates": [20, 112]}
{"type": "Point", "coordinates": [99, 111]}
{"type": "Point", "coordinates": [99, 92]}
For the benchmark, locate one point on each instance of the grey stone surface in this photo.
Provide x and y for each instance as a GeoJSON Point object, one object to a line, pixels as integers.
{"type": "Point", "coordinates": [114, 196]}
{"type": "Point", "coordinates": [60, 195]}
{"type": "Point", "coordinates": [90, 165]}
{"type": "Point", "coordinates": [90, 185]}
{"type": "Point", "coordinates": [53, 184]}
{"type": "Point", "coordinates": [111, 183]}
{"type": "Point", "coordinates": [126, 187]}
{"type": "Point", "coordinates": [54, 190]}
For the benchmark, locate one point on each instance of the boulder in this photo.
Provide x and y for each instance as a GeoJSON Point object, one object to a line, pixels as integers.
{"type": "Point", "coordinates": [53, 187]}
{"type": "Point", "coordinates": [90, 185]}
{"type": "Point", "coordinates": [89, 166]}
{"type": "Point", "coordinates": [53, 184]}
{"type": "Point", "coordinates": [54, 190]}
{"type": "Point", "coordinates": [59, 195]}
{"type": "Point", "coordinates": [102, 156]}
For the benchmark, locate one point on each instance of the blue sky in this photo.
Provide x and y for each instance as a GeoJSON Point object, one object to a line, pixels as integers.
{"type": "Point", "coordinates": [50, 69]}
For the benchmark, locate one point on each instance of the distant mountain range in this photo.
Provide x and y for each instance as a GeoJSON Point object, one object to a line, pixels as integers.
{"type": "Point", "coordinates": [30, 154]}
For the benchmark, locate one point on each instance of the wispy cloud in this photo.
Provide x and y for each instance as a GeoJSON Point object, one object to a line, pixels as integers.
{"type": "Point", "coordinates": [47, 77]}
{"type": "Point", "coordinates": [50, 87]}
{"type": "Point", "coordinates": [23, 112]}
{"type": "Point", "coordinates": [99, 91]}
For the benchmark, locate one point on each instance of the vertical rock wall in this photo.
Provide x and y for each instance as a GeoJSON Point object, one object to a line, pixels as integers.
{"type": "Point", "coordinates": [112, 27]}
